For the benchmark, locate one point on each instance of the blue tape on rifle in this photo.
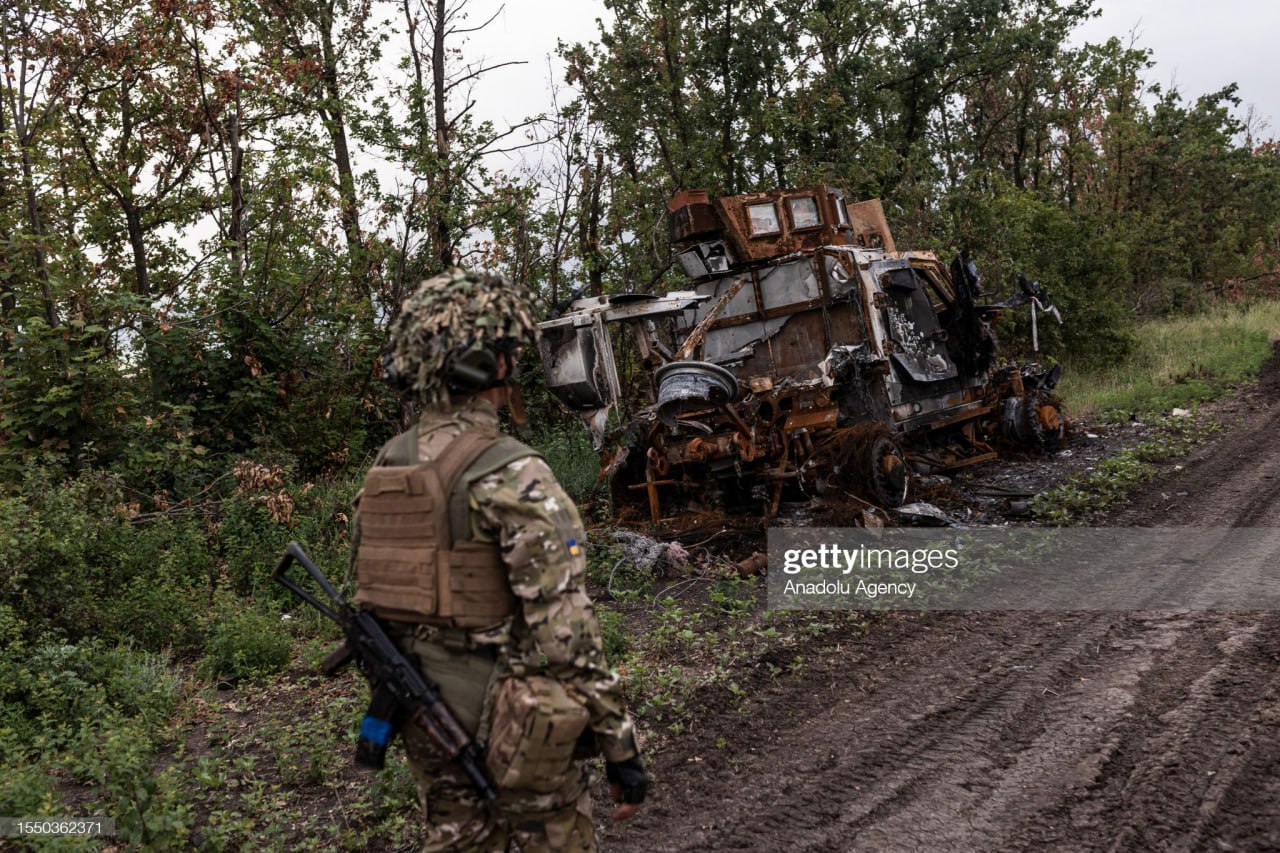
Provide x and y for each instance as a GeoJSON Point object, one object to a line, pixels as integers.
{"type": "Point", "coordinates": [375, 731]}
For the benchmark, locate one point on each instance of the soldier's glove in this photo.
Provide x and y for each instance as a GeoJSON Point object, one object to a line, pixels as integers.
{"type": "Point", "coordinates": [629, 778]}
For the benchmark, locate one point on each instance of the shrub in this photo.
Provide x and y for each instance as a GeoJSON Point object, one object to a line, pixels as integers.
{"type": "Point", "coordinates": [270, 509]}
{"type": "Point", "coordinates": [116, 754]}
{"type": "Point", "coordinates": [26, 788]}
{"type": "Point", "coordinates": [1084, 265]}
{"type": "Point", "coordinates": [77, 562]}
{"type": "Point", "coordinates": [613, 630]}
{"type": "Point", "coordinates": [54, 686]}
{"type": "Point", "coordinates": [244, 640]}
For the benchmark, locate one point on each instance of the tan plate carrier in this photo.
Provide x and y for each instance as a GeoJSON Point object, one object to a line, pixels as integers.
{"type": "Point", "coordinates": [415, 560]}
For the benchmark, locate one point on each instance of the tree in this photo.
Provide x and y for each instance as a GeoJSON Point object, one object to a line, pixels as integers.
{"type": "Point", "coordinates": [32, 91]}
{"type": "Point", "coordinates": [425, 124]}
{"type": "Point", "coordinates": [136, 119]}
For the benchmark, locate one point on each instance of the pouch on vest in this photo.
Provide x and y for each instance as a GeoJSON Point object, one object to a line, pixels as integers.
{"type": "Point", "coordinates": [534, 730]}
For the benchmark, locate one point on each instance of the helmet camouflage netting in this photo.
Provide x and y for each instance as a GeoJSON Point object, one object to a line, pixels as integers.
{"type": "Point", "coordinates": [452, 312]}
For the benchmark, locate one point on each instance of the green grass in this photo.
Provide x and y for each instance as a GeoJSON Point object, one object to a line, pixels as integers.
{"type": "Point", "coordinates": [1179, 362]}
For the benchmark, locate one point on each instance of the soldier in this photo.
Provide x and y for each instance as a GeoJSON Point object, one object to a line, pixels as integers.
{"type": "Point", "coordinates": [472, 553]}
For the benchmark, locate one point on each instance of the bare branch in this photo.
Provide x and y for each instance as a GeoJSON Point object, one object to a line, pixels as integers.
{"type": "Point", "coordinates": [462, 113]}
{"type": "Point", "coordinates": [474, 74]}
{"type": "Point", "coordinates": [492, 18]}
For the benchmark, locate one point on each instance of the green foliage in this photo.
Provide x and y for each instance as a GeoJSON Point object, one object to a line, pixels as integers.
{"type": "Point", "coordinates": [1076, 260]}
{"type": "Point", "coordinates": [1111, 481]}
{"type": "Point", "coordinates": [733, 596]}
{"type": "Point", "coordinates": [1178, 362]}
{"type": "Point", "coordinates": [258, 521]}
{"type": "Point", "coordinates": [72, 561]}
{"type": "Point", "coordinates": [300, 753]}
{"type": "Point", "coordinates": [150, 808]}
{"type": "Point", "coordinates": [49, 688]}
{"type": "Point", "coordinates": [26, 788]}
{"type": "Point", "coordinates": [245, 640]}
{"type": "Point", "coordinates": [567, 449]}
{"type": "Point", "coordinates": [95, 712]}
{"type": "Point", "coordinates": [613, 631]}
{"type": "Point", "coordinates": [79, 558]}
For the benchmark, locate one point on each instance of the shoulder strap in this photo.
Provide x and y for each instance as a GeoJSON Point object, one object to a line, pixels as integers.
{"type": "Point", "coordinates": [458, 455]}
{"type": "Point", "coordinates": [401, 450]}
{"type": "Point", "coordinates": [455, 458]}
{"type": "Point", "coordinates": [500, 454]}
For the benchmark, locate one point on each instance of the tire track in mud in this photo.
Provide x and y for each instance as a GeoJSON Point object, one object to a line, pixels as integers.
{"type": "Point", "coordinates": [1184, 747]}
{"type": "Point", "coordinates": [1067, 731]}
{"type": "Point", "coordinates": [1066, 741]}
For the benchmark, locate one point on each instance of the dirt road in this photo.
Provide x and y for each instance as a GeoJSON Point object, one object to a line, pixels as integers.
{"type": "Point", "coordinates": [998, 731]}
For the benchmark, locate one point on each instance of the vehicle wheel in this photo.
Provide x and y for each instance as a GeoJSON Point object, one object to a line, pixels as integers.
{"type": "Point", "coordinates": [1044, 426]}
{"type": "Point", "coordinates": [885, 472]}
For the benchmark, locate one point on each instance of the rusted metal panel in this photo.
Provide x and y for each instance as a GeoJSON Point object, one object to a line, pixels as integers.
{"type": "Point", "coordinates": [816, 419]}
{"type": "Point", "coordinates": [870, 227]}
{"type": "Point", "coordinates": [690, 214]}
{"type": "Point", "coordinates": [696, 337]}
{"type": "Point", "coordinates": [781, 222]}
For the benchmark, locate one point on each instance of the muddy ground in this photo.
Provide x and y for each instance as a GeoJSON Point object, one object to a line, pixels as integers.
{"type": "Point", "coordinates": [998, 731]}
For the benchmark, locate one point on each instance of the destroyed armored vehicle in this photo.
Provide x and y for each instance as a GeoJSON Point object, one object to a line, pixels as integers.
{"type": "Point", "coordinates": [807, 357]}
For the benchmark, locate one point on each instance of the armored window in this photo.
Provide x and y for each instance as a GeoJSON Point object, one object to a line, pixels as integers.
{"type": "Point", "coordinates": [842, 211]}
{"type": "Point", "coordinates": [764, 218]}
{"type": "Point", "coordinates": [804, 212]}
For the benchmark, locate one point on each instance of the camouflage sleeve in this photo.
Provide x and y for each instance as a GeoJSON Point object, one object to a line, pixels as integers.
{"type": "Point", "coordinates": [542, 541]}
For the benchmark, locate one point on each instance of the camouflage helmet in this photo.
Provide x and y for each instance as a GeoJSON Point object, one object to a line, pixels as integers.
{"type": "Point", "coordinates": [452, 319]}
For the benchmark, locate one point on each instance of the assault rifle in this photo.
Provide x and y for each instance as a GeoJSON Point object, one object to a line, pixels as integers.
{"type": "Point", "coordinates": [400, 690]}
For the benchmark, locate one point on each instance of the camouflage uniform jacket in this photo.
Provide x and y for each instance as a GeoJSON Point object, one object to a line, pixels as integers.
{"type": "Point", "coordinates": [527, 514]}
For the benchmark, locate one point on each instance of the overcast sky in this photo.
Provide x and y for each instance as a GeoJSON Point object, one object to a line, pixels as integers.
{"type": "Point", "coordinates": [1202, 46]}
{"type": "Point", "coordinates": [1199, 46]}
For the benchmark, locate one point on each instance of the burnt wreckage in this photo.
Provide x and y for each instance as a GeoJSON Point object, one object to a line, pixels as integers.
{"type": "Point", "coordinates": [809, 356]}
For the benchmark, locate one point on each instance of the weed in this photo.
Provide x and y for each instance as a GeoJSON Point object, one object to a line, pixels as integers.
{"type": "Point", "coordinates": [568, 451]}
{"type": "Point", "coordinates": [675, 627]}
{"type": "Point", "coordinates": [733, 596]}
{"type": "Point", "coordinates": [1111, 482]}
{"type": "Point", "coordinates": [613, 631]}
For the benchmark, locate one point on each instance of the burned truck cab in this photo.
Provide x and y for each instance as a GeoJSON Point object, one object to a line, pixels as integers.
{"type": "Point", "coordinates": [807, 356]}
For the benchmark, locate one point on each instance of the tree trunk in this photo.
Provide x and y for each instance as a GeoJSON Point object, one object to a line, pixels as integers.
{"type": "Point", "coordinates": [236, 180]}
{"type": "Point", "coordinates": [589, 225]}
{"type": "Point", "coordinates": [334, 118]}
{"type": "Point", "coordinates": [37, 239]}
{"type": "Point", "coordinates": [8, 300]}
{"type": "Point", "coordinates": [680, 165]}
{"type": "Point", "coordinates": [727, 153]}
{"type": "Point", "coordinates": [142, 286]}
{"type": "Point", "coordinates": [442, 236]}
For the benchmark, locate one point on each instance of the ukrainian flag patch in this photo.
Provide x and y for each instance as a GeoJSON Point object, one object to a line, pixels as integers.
{"type": "Point", "coordinates": [574, 548]}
